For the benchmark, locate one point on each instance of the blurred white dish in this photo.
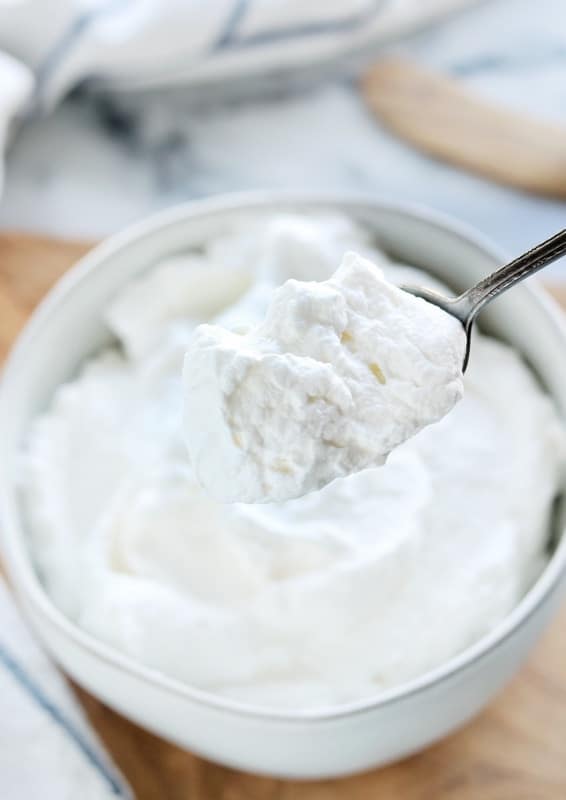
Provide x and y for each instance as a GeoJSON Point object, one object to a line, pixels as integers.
{"type": "Point", "coordinates": [313, 743]}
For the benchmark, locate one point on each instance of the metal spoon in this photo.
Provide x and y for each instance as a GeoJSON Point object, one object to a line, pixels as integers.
{"type": "Point", "coordinates": [467, 306]}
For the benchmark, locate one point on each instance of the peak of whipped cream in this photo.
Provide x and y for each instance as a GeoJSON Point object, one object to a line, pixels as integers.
{"type": "Point", "coordinates": [338, 374]}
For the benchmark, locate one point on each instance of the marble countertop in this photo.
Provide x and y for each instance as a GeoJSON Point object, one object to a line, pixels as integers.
{"type": "Point", "coordinates": [99, 162]}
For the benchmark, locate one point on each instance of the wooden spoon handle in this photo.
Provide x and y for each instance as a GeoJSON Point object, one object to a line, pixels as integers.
{"type": "Point", "coordinates": [440, 117]}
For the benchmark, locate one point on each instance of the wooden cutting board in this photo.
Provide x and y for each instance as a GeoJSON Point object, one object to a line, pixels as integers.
{"type": "Point", "coordinates": [515, 750]}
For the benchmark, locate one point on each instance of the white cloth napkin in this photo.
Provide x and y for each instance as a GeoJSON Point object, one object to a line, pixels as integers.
{"type": "Point", "coordinates": [148, 42]}
{"type": "Point", "coordinates": [46, 47]}
{"type": "Point", "coordinates": [47, 750]}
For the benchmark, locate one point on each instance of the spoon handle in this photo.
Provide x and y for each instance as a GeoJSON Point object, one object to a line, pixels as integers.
{"type": "Point", "coordinates": [510, 274]}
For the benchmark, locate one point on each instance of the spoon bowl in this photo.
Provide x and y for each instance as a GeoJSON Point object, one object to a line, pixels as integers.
{"type": "Point", "coordinates": [466, 306]}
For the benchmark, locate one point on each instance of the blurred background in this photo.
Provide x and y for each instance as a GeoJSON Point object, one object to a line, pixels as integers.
{"type": "Point", "coordinates": [113, 110]}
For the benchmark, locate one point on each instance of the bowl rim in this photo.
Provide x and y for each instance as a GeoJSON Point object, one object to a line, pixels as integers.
{"type": "Point", "coordinates": [18, 561]}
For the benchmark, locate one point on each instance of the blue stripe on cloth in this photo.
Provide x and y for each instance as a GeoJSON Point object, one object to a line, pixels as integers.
{"type": "Point", "coordinates": [42, 701]}
{"type": "Point", "coordinates": [228, 40]}
{"type": "Point", "coordinates": [237, 13]}
{"type": "Point", "coordinates": [69, 39]}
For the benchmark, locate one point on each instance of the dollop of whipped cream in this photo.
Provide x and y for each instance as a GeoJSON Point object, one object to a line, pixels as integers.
{"type": "Point", "coordinates": [314, 602]}
{"type": "Point", "coordinates": [338, 374]}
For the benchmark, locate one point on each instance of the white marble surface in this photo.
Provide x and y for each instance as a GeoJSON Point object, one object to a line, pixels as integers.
{"type": "Point", "coordinates": [97, 163]}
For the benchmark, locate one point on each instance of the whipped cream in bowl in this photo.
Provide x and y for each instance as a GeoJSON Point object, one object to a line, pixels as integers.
{"type": "Point", "coordinates": [354, 585]}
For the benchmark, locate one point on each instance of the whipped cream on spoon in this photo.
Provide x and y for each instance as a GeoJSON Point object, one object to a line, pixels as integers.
{"type": "Point", "coordinates": [336, 376]}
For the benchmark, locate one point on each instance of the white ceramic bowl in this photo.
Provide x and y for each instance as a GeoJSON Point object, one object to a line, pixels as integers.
{"type": "Point", "coordinates": [68, 327]}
